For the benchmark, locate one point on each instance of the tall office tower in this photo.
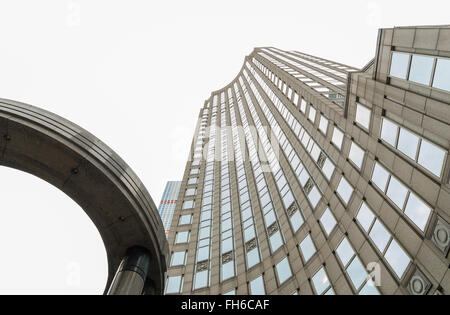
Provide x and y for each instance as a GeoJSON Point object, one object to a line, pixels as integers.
{"type": "Point", "coordinates": [167, 205]}
{"type": "Point", "coordinates": [330, 176]}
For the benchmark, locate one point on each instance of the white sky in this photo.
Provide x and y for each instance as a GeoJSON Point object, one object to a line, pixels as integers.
{"type": "Point", "coordinates": [135, 74]}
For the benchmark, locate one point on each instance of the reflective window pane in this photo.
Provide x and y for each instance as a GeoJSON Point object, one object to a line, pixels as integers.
{"type": "Point", "coordinates": [397, 258]}
{"type": "Point", "coordinates": [312, 114]}
{"type": "Point", "coordinates": [389, 132]}
{"type": "Point", "coordinates": [407, 143]}
{"type": "Point", "coordinates": [182, 237]}
{"type": "Point", "coordinates": [345, 251]}
{"type": "Point", "coordinates": [307, 247]}
{"type": "Point", "coordinates": [380, 177]}
{"type": "Point", "coordinates": [338, 137]}
{"type": "Point", "coordinates": [421, 68]}
{"type": "Point", "coordinates": [369, 289]}
{"type": "Point", "coordinates": [178, 258]}
{"type": "Point", "coordinates": [201, 279]}
{"type": "Point", "coordinates": [323, 125]}
{"type": "Point", "coordinates": [417, 211]}
{"type": "Point", "coordinates": [356, 154]}
{"type": "Point", "coordinates": [257, 286]}
{"type": "Point", "coordinates": [228, 270]}
{"type": "Point", "coordinates": [357, 273]}
{"type": "Point", "coordinates": [328, 221]}
{"type": "Point", "coordinates": [345, 190]}
{"type": "Point", "coordinates": [283, 270]}
{"type": "Point", "coordinates": [320, 281]}
{"type": "Point", "coordinates": [431, 157]}
{"type": "Point", "coordinates": [252, 257]}
{"type": "Point", "coordinates": [399, 65]}
{"type": "Point", "coordinates": [365, 217]}
{"type": "Point", "coordinates": [276, 241]}
{"type": "Point", "coordinates": [397, 192]}
{"type": "Point", "coordinates": [173, 284]}
{"type": "Point", "coordinates": [380, 236]}
{"type": "Point", "coordinates": [363, 115]}
{"type": "Point", "coordinates": [296, 221]}
{"type": "Point", "coordinates": [442, 74]}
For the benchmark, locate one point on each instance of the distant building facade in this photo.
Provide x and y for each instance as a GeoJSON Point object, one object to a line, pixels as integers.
{"type": "Point", "coordinates": [167, 205]}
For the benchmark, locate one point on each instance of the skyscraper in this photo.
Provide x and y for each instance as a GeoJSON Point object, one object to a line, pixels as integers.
{"type": "Point", "coordinates": [167, 205]}
{"type": "Point", "coordinates": [330, 180]}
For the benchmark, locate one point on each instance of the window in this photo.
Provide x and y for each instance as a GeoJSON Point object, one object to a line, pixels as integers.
{"type": "Point", "coordinates": [303, 106]}
{"type": "Point", "coordinates": [252, 258]}
{"type": "Point", "coordinates": [345, 190]}
{"type": "Point", "coordinates": [389, 132]}
{"type": "Point", "coordinates": [356, 155]}
{"type": "Point", "coordinates": [320, 281]}
{"type": "Point", "coordinates": [399, 65]}
{"type": "Point", "coordinates": [431, 157]}
{"type": "Point", "coordinates": [190, 192]}
{"type": "Point", "coordinates": [345, 252]}
{"type": "Point", "coordinates": [232, 292]}
{"type": "Point", "coordinates": [380, 236]}
{"type": "Point", "coordinates": [407, 143]}
{"type": "Point", "coordinates": [338, 137]}
{"type": "Point", "coordinates": [174, 284]}
{"type": "Point", "coordinates": [194, 171]}
{"type": "Point", "coordinates": [323, 125]}
{"type": "Point", "coordinates": [257, 286]}
{"type": "Point", "coordinates": [227, 270]}
{"type": "Point", "coordinates": [283, 270]}
{"type": "Point", "coordinates": [185, 219]}
{"type": "Point", "coordinates": [365, 217]}
{"type": "Point", "coordinates": [380, 177]}
{"type": "Point", "coordinates": [363, 115]}
{"type": "Point", "coordinates": [275, 241]}
{"type": "Point", "coordinates": [307, 247]}
{"type": "Point", "coordinates": [201, 279]}
{"type": "Point", "coordinates": [178, 259]}
{"type": "Point", "coordinates": [328, 221]}
{"type": "Point", "coordinates": [192, 181]}
{"type": "Point", "coordinates": [312, 114]}
{"type": "Point", "coordinates": [397, 258]}
{"type": "Point", "coordinates": [182, 237]}
{"type": "Point", "coordinates": [421, 69]}
{"type": "Point", "coordinates": [417, 211]}
{"type": "Point", "coordinates": [442, 74]}
{"type": "Point", "coordinates": [296, 221]}
{"type": "Point", "coordinates": [188, 204]}
{"type": "Point", "coordinates": [397, 192]}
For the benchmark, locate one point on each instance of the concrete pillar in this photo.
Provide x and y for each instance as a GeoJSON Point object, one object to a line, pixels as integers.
{"type": "Point", "coordinates": [132, 273]}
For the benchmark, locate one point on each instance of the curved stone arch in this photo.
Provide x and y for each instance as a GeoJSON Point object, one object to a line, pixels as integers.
{"type": "Point", "coordinates": [65, 155]}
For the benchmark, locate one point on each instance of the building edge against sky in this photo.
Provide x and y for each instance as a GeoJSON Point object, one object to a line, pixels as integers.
{"type": "Point", "coordinates": [167, 205]}
{"type": "Point", "coordinates": [327, 175]}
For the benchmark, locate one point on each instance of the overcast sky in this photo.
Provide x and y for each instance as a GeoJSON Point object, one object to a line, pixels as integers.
{"type": "Point", "coordinates": [135, 74]}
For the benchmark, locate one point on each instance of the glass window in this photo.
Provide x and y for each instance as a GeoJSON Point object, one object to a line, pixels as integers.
{"type": "Point", "coordinates": [174, 284]}
{"type": "Point", "coordinates": [442, 74]}
{"type": "Point", "coordinates": [303, 106]}
{"type": "Point", "coordinates": [363, 115]}
{"type": "Point", "coordinates": [365, 217]}
{"type": "Point", "coordinates": [380, 236]}
{"type": "Point", "coordinates": [338, 137]}
{"type": "Point", "coordinates": [345, 190]}
{"type": "Point", "coordinates": [328, 169]}
{"type": "Point", "coordinates": [296, 221]}
{"type": "Point", "coordinates": [323, 125]}
{"type": "Point", "coordinates": [232, 292]}
{"type": "Point", "coordinates": [312, 114]}
{"type": "Point", "coordinates": [320, 281]}
{"type": "Point", "coordinates": [283, 270]}
{"type": "Point", "coordinates": [421, 68]}
{"type": "Point", "coordinates": [357, 273]}
{"type": "Point", "coordinates": [189, 204]}
{"type": "Point", "coordinates": [257, 286]}
{"type": "Point", "coordinates": [203, 253]}
{"type": "Point", "coordinates": [276, 241]}
{"type": "Point", "coordinates": [397, 192]}
{"type": "Point", "coordinates": [194, 171]}
{"type": "Point", "coordinates": [227, 270]}
{"type": "Point", "coordinates": [380, 177]}
{"type": "Point", "coordinates": [345, 252]}
{"type": "Point", "coordinates": [417, 211]}
{"type": "Point", "coordinates": [431, 157]}
{"type": "Point", "coordinates": [190, 191]}
{"type": "Point", "coordinates": [389, 132]}
{"type": "Point", "coordinates": [182, 237]}
{"type": "Point", "coordinates": [314, 196]}
{"type": "Point", "coordinates": [397, 258]}
{"type": "Point", "coordinates": [407, 143]}
{"type": "Point", "coordinates": [369, 289]}
{"type": "Point", "coordinates": [328, 221]}
{"type": "Point", "coordinates": [192, 181]}
{"type": "Point", "coordinates": [356, 155]}
{"type": "Point", "coordinates": [178, 258]}
{"type": "Point", "coordinates": [307, 247]}
{"type": "Point", "coordinates": [252, 258]}
{"type": "Point", "coordinates": [185, 219]}
{"type": "Point", "coordinates": [399, 65]}
{"type": "Point", "coordinates": [201, 279]}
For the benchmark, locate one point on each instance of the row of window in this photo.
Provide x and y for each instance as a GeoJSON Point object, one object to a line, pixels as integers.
{"type": "Point", "coordinates": [426, 70]}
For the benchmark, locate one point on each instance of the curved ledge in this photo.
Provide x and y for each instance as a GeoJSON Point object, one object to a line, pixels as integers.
{"type": "Point", "coordinates": [94, 176]}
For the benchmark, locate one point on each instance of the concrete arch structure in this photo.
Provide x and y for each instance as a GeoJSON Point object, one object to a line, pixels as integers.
{"type": "Point", "coordinates": [65, 155]}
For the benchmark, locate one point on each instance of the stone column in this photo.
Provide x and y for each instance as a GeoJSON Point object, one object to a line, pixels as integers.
{"type": "Point", "coordinates": [132, 273]}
